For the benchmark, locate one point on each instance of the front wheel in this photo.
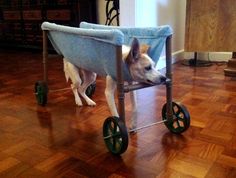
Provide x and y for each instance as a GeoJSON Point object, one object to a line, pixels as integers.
{"type": "Point", "coordinates": [115, 135]}
{"type": "Point", "coordinates": [180, 120]}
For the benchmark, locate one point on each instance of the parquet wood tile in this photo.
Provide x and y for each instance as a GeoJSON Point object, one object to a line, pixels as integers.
{"type": "Point", "coordinates": [63, 140]}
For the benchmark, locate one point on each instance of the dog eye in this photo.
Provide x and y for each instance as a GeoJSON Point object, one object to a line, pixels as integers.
{"type": "Point", "coordinates": [148, 68]}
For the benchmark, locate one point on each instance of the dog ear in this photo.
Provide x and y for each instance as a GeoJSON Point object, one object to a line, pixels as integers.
{"type": "Point", "coordinates": [134, 52]}
{"type": "Point", "coordinates": [135, 49]}
{"type": "Point", "coordinates": [144, 48]}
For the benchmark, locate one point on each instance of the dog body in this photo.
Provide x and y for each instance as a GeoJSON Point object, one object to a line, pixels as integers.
{"type": "Point", "coordinates": [141, 68]}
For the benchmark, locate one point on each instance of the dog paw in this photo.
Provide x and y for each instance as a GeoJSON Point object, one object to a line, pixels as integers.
{"type": "Point", "coordinates": [79, 103]}
{"type": "Point", "coordinates": [91, 103]}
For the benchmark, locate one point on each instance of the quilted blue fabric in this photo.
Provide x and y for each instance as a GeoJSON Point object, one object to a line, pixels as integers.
{"type": "Point", "coordinates": [93, 47]}
{"type": "Point", "coordinates": [155, 37]}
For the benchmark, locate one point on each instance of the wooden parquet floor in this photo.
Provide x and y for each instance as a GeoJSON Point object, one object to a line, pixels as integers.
{"type": "Point", "coordinates": [63, 140]}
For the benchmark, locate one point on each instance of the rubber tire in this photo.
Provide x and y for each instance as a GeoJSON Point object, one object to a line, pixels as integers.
{"type": "Point", "coordinates": [91, 89]}
{"type": "Point", "coordinates": [180, 121]}
{"type": "Point", "coordinates": [41, 92]}
{"type": "Point", "coordinates": [115, 135]}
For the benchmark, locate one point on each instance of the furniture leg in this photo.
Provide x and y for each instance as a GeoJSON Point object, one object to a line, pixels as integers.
{"type": "Point", "coordinates": [230, 70]}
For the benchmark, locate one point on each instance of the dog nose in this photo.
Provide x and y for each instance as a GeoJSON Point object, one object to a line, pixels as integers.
{"type": "Point", "coordinates": [163, 79]}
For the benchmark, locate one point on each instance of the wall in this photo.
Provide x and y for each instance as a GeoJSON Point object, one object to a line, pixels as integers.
{"type": "Point", "coordinates": [154, 13]}
{"type": "Point", "coordinates": [142, 13]}
{"type": "Point", "coordinates": [101, 11]}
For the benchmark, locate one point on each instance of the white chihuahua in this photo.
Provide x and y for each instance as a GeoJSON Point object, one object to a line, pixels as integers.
{"type": "Point", "coordinates": [141, 68]}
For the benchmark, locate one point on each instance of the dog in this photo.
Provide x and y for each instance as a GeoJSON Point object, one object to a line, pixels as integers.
{"type": "Point", "coordinates": [141, 68]}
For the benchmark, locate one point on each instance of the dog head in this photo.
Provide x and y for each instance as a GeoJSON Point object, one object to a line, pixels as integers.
{"type": "Point", "coordinates": [141, 66]}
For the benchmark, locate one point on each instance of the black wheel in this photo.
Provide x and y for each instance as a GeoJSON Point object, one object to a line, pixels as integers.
{"type": "Point", "coordinates": [41, 92]}
{"type": "Point", "coordinates": [180, 121]}
{"type": "Point", "coordinates": [115, 135]}
{"type": "Point", "coordinates": [91, 89]}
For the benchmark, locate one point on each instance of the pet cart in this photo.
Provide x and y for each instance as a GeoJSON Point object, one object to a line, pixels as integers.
{"type": "Point", "coordinates": [100, 47]}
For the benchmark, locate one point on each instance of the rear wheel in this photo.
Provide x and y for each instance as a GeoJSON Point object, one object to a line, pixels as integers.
{"type": "Point", "coordinates": [41, 92]}
{"type": "Point", "coordinates": [91, 89]}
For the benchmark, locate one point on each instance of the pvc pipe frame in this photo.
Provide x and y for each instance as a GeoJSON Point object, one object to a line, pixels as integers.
{"type": "Point", "coordinates": [121, 88]}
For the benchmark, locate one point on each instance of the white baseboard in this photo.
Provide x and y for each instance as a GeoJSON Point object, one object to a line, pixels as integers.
{"type": "Point", "coordinates": [180, 55]}
{"type": "Point", "coordinates": [176, 56]}
{"type": "Point", "coordinates": [212, 56]}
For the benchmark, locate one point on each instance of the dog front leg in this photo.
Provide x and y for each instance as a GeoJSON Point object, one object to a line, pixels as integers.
{"type": "Point", "coordinates": [109, 93]}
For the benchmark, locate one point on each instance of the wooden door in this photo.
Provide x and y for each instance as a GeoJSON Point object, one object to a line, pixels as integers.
{"type": "Point", "coordinates": [210, 25]}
